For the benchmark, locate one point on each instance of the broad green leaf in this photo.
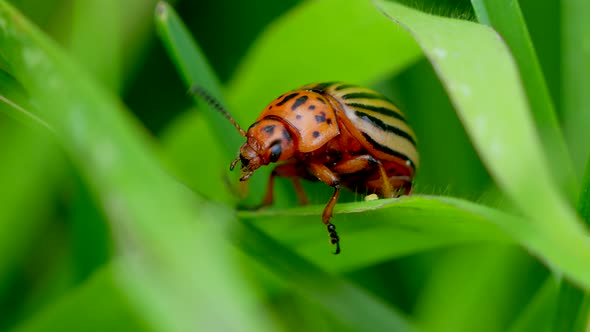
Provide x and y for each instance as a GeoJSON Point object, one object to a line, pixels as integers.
{"type": "Point", "coordinates": [506, 18]}
{"type": "Point", "coordinates": [482, 81]}
{"type": "Point", "coordinates": [330, 40]}
{"type": "Point", "coordinates": [155, 220]}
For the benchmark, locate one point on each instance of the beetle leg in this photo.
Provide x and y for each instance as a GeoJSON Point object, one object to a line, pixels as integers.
{"type": "Point", "coordinates": [356, 164]}
{"type": "Point", "coordinates": [359, 163]}
{"type": "Point", "coordinates": [386, 185]}
{"type": "Point", "coordinates": [288, 170]}
{"type": "Point", "coordinates": [324, 174]}
{"type": "Point", "coordinates": [301, 196]}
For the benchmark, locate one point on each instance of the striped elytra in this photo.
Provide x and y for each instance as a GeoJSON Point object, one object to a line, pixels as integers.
{"type": "Point", "coordinates": [340, 134]}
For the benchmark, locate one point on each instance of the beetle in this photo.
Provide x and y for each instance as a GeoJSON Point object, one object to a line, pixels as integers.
{"type": "Point", "coordinates": [340, 134]}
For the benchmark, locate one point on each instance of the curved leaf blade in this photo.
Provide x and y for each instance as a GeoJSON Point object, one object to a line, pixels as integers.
{"type": "Point", "coordinates": [194, 68]}
{"type": "Point", "coordinates": [387, 229]}
{"type": "Point", "coordinates": [137, 195]}
{"type": "Point", "coordinates": [482, 81]}
{"type": "Point", "coordinates": [506, 18]}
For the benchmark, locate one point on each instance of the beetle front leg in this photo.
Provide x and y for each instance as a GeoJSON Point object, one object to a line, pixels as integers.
{"type": "Point", "coordinates": [289, 170]}
{"type": "Point", "coordinates": [328, 177]}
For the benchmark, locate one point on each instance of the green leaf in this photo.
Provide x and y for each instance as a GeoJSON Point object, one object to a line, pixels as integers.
{"type": "Point", "coordinates": [176, 264]}
{"type": "Point", "coordinates": [482, 81]}
{"type": "Point", "coordinates": [331, 40]}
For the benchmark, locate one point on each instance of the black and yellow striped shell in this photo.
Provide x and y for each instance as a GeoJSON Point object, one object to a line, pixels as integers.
{"type": "Point", "coordinates": [318, 112]}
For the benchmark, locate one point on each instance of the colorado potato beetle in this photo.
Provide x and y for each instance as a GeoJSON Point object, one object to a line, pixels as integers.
{"type": "Point", "coordinates": [340, 134]}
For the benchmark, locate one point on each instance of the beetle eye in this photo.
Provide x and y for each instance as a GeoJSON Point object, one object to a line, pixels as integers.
{"type": "Point", "coordinates": [275, 152]}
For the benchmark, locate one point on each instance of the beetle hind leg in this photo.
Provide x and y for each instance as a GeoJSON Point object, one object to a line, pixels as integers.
{"type": "Point", "coordinates": [327, 215]}
{"type": "Point", "coordinates": [330, 178]}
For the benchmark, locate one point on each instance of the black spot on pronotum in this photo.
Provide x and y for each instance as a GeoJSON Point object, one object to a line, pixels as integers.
{"type": "Point", "coordinates": [298, 117]}
{"type": "Point", "coordinates": [287, 98]}
{"type": "Point", "coordinates": [321, 117]}
{"type": "Point", "coordinates": [311, 107]}
{"type": "Point", "coordinates": [269, 129]}
{"type": "Point", "coordinates": [329, 121]}
{"type": "Point", "coordinates": [316, 134]}
{"type": "Point", "coordinates": [286, 135]}
{"type": "Point", "coordinates": [298, 102]}
{"type": "Point", "coordinates": [321, 100]}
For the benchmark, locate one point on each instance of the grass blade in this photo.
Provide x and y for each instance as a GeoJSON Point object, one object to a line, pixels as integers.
{"type": "Point", "coordinates": [417, 223]}
{"type": "Point", "coordinates": [195, 70]}
{"type": "Point", "coordinates": [138, 197]}
{"type": "Point", "coordinates": [482, 81]}
{"type": "Point", "coordinates": [575, 77]}
{"type": "Point", "coordinates": [506, 18]}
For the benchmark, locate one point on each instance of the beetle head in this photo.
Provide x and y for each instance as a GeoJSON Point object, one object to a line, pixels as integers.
{"type": "Point", "coordinates": [267, 141]}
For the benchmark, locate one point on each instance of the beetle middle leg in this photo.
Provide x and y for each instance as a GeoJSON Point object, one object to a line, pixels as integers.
{"type": "Point", "coordinates": [384, 182]}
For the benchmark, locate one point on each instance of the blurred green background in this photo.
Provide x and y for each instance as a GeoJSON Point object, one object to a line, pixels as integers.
{"type": "Point", "coordinates": [54, 236]}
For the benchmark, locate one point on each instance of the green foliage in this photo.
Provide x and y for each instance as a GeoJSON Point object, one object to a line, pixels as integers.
{"type": "Point", "coordinates": [106, 227]}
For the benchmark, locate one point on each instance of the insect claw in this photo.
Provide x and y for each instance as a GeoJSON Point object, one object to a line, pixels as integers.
{"type": "Point", "coordinates": [337, 248]}
{"type": "Point", "coordinates": [334, 239]}
{"type": "Point", "coordinates": [246, 176]}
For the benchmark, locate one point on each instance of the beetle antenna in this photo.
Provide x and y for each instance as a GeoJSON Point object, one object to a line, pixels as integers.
{"type": "Point", "coordinates": [209, 99]}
